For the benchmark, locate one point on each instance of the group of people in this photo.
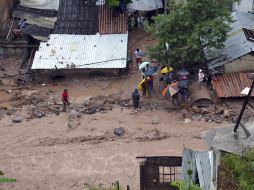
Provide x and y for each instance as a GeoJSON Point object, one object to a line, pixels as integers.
{"type": "Point", "coordinates": [147, 86]}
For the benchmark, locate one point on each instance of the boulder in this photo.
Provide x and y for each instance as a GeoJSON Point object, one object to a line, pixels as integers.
{"type": "Point", "coordinates": [226, 113]}
{"type": "Point", "coordinates": [40, 114]}
{"type": "Point", "coordinates": [187, 121]}
{"type": "Point", "coordinates": [17, 119]}
{"type": "Point", "coordinates": [196, 109]}
{"type": "Point", "coordinates": [119, 131]}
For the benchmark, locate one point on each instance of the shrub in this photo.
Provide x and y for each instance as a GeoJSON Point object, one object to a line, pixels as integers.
{"type": "Point", "coordinates": [242, 168]}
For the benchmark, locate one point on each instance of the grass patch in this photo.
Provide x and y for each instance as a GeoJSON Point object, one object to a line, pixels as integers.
{"type": "Point", "coordinates": [241, 168]}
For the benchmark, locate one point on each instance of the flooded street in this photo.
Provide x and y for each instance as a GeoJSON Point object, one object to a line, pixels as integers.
{"type": "Point", "coordinates": [46, 153]}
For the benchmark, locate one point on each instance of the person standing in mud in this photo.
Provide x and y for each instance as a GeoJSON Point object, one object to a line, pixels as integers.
{"type": "Point", "coordinates": [144, 87]}
{"type": "Point", "coordinates": [150, 85]}
{"type": "Point", "coordinates": [135, 98]}
{"type": "Point", "coordinates": [65, 99]}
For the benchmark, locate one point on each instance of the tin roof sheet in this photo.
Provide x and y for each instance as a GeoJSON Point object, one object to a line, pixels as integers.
{"type": "Point", "coordinates": [236, 44]}
{"type": "Point", "coordinates": [82, 52]}
{"type": "Point", "coordinates": [243, 5]}
{"type": "Point", "coordinates": [77, 17]}
{"type": "Point", "coordinates": [111, 21]}
{"type": "Point", "coordinates": [199, 163]}
{"type": "Point", "coordinates": [145, 5]}
{"type": "Point", "coordinates": [231, 85]}
{"type": "Point", "coordinates": [40, 4]}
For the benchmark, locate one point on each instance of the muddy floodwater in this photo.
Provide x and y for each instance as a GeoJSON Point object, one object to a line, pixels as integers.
{"type": "Point", "coordinates": [64, 150]}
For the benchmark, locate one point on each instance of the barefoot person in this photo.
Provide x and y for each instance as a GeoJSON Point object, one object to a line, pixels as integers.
{"type": "Point", "coordinates": [65, 99]}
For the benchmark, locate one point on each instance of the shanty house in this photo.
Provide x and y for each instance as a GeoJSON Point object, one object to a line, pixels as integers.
{"type": "Point", "coordinates": [237, 55]}
{"type": "Point", "coordinates": [230, 66]}
{"type": "Point", "coordinates": [75, 35]}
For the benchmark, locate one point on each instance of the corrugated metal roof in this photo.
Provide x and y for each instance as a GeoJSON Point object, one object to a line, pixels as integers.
{"type": "Point", "coordinates": [20, 11]}
{"type": "Point", "coordinates": [188, 163]}
{"type": "Point", "coordinates": [112, 22]}
{"type": "Point", "coordinates": [243, 5]}
{"type": "Point", "coordinates": [199, 163]}
{"type": "Point", "coordinates": [231, 85]}
{"type": "Point", "coordinates": [145, 5]}
{"type": "Point", "coordinates": [204, 169]}
{"type": "Point", "coordinates": [77, 17]}
{"type": "Point", "coordinates": [36, 30]}
{"type": "Point", "coordinates": [236, 44]}
{"type": "Point", "coordinates": [82, 51]}
{"type": "Point", "coordinates": [40, 4]}
{"type": "Point", "coordinates": [246, 20]}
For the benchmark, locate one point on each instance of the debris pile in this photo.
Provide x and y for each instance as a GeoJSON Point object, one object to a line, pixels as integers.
{"type": "Point", "coordinates": [217, 114]}
{"type": "Point", "coordinates": [153, 135]}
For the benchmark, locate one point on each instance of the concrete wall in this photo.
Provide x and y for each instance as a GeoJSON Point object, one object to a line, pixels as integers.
{"type": "Point", "coordinates": [5, 8]}
{"type": "Point", "coordinates": [243, 64]}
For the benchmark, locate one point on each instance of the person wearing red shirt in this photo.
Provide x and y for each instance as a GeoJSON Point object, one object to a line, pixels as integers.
{"type": "Point", "coordinates": [65, 99]}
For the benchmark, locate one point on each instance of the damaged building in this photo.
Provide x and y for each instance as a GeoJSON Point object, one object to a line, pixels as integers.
{"type": "Point", "coordinates": [68, 36]}
{"type": "Point", "coordinates": [230, 66]}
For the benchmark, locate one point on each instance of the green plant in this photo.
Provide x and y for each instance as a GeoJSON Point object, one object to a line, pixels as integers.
{"type": "Point", "coordinates": [6, 180]}
{"type": "Point", "coordinates": [115, 3]}
{"type": "Point", "coordinates": [191, 27]}
{"type": "Point", "coordinates": [242, 168]}
{"type": "Point", "coordinates": [183, 185]}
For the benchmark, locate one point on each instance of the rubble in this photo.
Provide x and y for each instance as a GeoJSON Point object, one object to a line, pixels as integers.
{"type": "Point", "coordinates": [187, 121]}
{"type": "Point", "coordinates": [40, 114]}
{"type": "Point", "coordinates": [17, 119]}
{"type": "Point", "coordinates": [218, 114]}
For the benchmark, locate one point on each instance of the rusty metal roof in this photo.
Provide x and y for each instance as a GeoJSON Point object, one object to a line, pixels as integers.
{"type": "Point", "coordinates": [112, 21]}
{"type": "Point", "coordinates": [231, 85]}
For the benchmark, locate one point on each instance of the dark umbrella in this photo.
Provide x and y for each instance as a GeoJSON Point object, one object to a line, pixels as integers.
{"type": "Point", "coordinates": [183, 73]}
{"type": "Point", "coordinates": [151, 71]}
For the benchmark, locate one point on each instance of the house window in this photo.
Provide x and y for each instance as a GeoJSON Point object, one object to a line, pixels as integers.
{"type": "Point", "coordinates": [249, 34]}
{"type": "Point", "coordinates": [169, 174]}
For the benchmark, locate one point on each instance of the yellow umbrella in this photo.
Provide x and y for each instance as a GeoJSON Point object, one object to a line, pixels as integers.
{"type": "Point", "coordinates": [140, 85]}
{"type": "Point", "coordinates": [166, 70]}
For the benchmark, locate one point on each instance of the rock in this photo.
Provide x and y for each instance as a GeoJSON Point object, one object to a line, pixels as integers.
{"type": "Point", "coordinates": [185, 114]}
{"type": "Point", "coordinates": [196, 109]}
{"type": "Point", "coordinates": [205, 110]}
{"type": "Point", "coordinates": [219, 111]}
{"type": "Point", "coordinates": [3, 108]}
{"type": "Point", "coordinates": [226, 113]}
{"type": "Point", "coordinates": [17, 119]}
{"type": "Point", "coordinates": [186, 121]}
{"type": "Point", "coordinates": [119, 131]}
{"type": "Point", "coordinates": [40, 114]}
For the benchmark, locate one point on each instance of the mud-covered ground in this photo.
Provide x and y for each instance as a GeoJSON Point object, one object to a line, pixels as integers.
{"type": "Point", "coordinates": [51, 149]}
